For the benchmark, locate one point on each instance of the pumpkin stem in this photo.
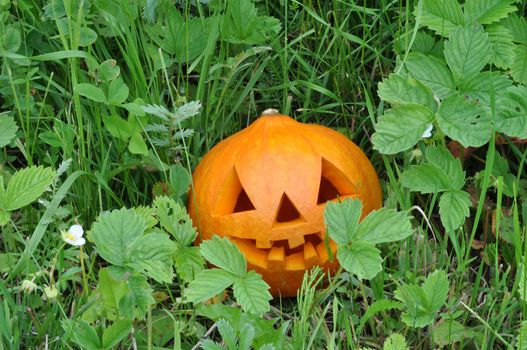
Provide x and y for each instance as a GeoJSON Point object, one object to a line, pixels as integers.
{"type": "Point", "coordinates": [270, 111]}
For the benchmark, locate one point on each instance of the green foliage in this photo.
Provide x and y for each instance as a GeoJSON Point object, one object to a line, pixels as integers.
{"type": "Point", "coordinates": [175, 220]}
{"type": "Point", "coordinates": [268, 334]}
{"type": "Point", "coordinates": [464, 121]}
{"type": "Point", "coordinates": [24, 187]}
{"type": "Point", "coordinates": [441, 173]}
{"type": "Point", "coordinates": [441, 16]}
{"type": "Point", "coordinates": [448, 332]}
{"type": "Point", "coordinates": [91, 91]}
{"type": "Point", "coordinates": [487, 11]}
{"type": "Point", "coordinates": [86, 337]}
{"type": "Point", "coordinates": [392, 137]}
{"type": "Point", "coordinates": [250, 291]}
{"type": "Point", "coordinates": [423, 302]}
{"type": "Point", "coordinates": [120, 239]}
{"type": "Point", "coordinates": [382, 305]}
{"type": "Point", "coordinates": [479, 38]}
{"type": "Point", "coordinates": [521, 339]}
{"type": "Point", "coordinates": [467, 51]}
{"type": "Point", "coordinates": [8, 129]}
{"type": "Point", "coordinates": [395, 342]}
{"type": "Point", "coordinates": [356, 242]}
{"type": "Point", "coordinates": [233, 339]}
{"type": "Point", "coordinates": [242, 25]}
{"type": "Point", "coordinates": [77, 77]}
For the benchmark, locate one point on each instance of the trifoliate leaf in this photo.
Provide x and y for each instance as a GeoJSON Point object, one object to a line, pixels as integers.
{"type": "Point", "coordinates": [86, 336]}
{"type": "Point", "coordinates": [87, 36]}
{"type": "Point", "coordinates": [137, 144]}
{"type": "Point", "coordinates": [246, 338]}
{"type": "Point", "coordinates": [228, 334]}
{"type": "Point", "coordinates": [209, 344]}
{"type": "Point", "coordinates": [174, 218]}
{"type": "Point", "coordinates": [252, 293]}
{"type": "Point", "coordinates": [26, 185]}
{"type": "Point", "coordinates": [436, 288]}
{"type": "Point", "coordinates": [423, 302]}
{"type": "Point", "coordinates": [487, 11]}
{"type": "Point", "coordinates": [90, 91]}
{"type": "Point", "coordinates": [511, 118]}
{"type": "Point", "coordinates": [449, 332]}
{"type": "Point", "coordinates": [147, 213]}
{"type": "Point", "coordinates": [417, 312]}
{"type": "Point", "coordinates": [401, 127]}
{"type": "Point", "coordinates": [118, 127]}
{"type": "Point", "coordinates": [10, 39]}
{"type": "Point", "coordinates": [502, 47]}
{"type": "Point", "coordinates": [423, 42]}
{"type": "Point", "coordinates": [208, 284]}
{"type": "Point", "coordinates": [481, 86]}
{"type": "Point", "coordinates": [8, 129]}
{"type": "Point", "coordinates": [151, 255]}
{"type": "Point", "coordinates": [107, 71]}
{"type": "Point", "coordinates": [183, 38]}
{"type": "Point", "coordinates": [224, 254]}
{"type": "Point", "coordinates": [519, 67]}
{"type": "Point", "coordinates": [517, 26]}
{"type": "Point", "coordinates": [117, 92]}
{"type": "Point", "coordinates": [189, 262]}
{"type": "Point", "coordinates": [139, 295]}
{"type": "Point", "coordinates": [361, 259]}
{"type": "Point", "coordinates": [113, 233]}
{"type": "Point", "coordinates": [442, 16]}
{"type": "Point", "coordinates": [467, 51]}
{"type": "Point", "coordinates": [454, 207]}
{"type": "Point", "coordinates": [441, 157]}
{"type": "Point", "coordinates": [342, 219]}
{"type": "Point", "coordinates": [180, 179]}
{"type": "Point", "coordinates": [463, 121]}
{"type": "Point", "coordinates": [398, 90]}
{"type": "Point", "coordinates": [432, 72]}
{"type": "Point", "coordinates": [395, 342]}
{"type": "Point", "coordinates": [115, 333]}
{"type": "Point", "coordinates": [425, 178]}
{"type": "Point", "coordinates": [383, 225]}
{"type": "Point", "coordinates": [242, 25]}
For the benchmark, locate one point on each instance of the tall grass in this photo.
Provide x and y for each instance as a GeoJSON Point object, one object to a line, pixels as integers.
{"type": "Point", "coordinates": [323, 67]}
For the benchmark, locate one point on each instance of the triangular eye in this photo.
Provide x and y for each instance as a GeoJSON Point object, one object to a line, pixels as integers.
{"type": "Point", "coordinates": [326, 191]}
{"type": "Point", "coordinates": [243, 203]}
{"type": "Point", "coordinates": [287, 210]}
{"type": "Point", "coordinates": [333, 183]}
{"type": "Point", "coordinates": [232, 197]}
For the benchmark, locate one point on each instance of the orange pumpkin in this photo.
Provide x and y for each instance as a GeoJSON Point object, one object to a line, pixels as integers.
{"type": "Point", "coordinates": [265, 188]}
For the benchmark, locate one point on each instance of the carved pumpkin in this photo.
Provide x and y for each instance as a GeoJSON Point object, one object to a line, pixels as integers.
{"type": "Point", "coordinates": [265, 188]}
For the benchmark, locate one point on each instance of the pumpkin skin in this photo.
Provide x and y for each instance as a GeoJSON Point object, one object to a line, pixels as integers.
{"type": "Point", "coordinates": [265, 188]}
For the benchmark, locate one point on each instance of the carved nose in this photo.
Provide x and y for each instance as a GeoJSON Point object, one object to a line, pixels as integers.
{"type": "Point", "coordinates": [287, 210]}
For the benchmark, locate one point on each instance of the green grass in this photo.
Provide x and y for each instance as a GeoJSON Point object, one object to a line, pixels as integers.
{"type": "Point", "coordinates": [323, 66]}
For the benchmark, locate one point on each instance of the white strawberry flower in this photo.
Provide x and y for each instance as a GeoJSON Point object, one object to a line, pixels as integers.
{"type": "Point", "coordinates": [428, 131]}
{"type": "Point", "coordinates": [74, 236]}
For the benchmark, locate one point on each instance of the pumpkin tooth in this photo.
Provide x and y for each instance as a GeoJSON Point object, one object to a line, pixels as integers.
{"type": "Point", "coordinates": [263, 244]}
{"type": "Point", "coordinates": [310, 255]}
{"type": "Point", "coordinates": [295, 262]}
{"type": "Point", "coordinates": [276, 255]}
{"type": "Point", "coordinates": [296, 241]}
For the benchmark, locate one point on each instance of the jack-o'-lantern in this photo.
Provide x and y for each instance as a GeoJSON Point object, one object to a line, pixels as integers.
{"type": "Point", "coordinates": [265, 188]}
